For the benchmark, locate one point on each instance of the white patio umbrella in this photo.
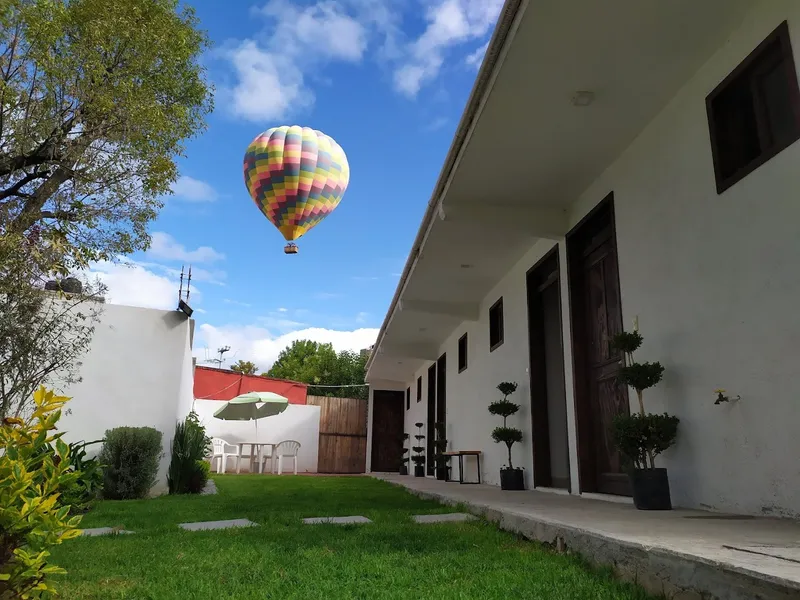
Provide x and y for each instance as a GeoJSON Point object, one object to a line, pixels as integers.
{"type": "Point", "coordinates": [252, 406]}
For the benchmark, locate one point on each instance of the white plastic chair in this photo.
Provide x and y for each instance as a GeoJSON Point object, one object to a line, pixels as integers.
{"type": "Point", "coordinates": [287, 449]}
{"type": "Point", "coordinates": [223, 453]}
{"type": "Point", "coordinates": [268, 459]}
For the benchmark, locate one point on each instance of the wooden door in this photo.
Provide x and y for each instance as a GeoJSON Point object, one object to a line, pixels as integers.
{"type": "Point", "coordinates": [441, 389]}
{"type": "Point", "coordinates": [387, 430]}
{"type": "Point", "coordinates": [548, 392]}
{"type": "Point", "coordinates": [597, 316]}
{"type": "Point", "coordinates": [342, 434]}
{"type": "Point", "coordinates": [430, 432]}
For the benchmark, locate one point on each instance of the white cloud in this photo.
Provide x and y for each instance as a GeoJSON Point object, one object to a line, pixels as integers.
{"type": "Point", "coordinates": [237, 303]}
{"type": "Point", "coordinates": [165, 247]}
{"type": "Point", "coordinates": [267, 85]}
{"type": "Point", "coordinates": [449, 23]}
{"type": "Point", "coordinates": [262, 347]}
{"type": "Point", "coordinates": [436, 124]}
{"type": "Point", "coordinates": [215, 277]}
{"type": "Point", "coordinates": [270, 70]}
{"type": "Point", "coordinates": [132, 284]}
{"type": "Point", "coordinates": [476, 58]}
{"type": "Point", "coordinates": [193, 190]}
{"type": "Point", "coordinates": [326, 27]}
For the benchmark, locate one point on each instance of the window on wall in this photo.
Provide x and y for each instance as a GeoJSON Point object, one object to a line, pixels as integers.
{"type": "Point", "coordinates": [496, 325]}
{"type": "Point", "coordinates": [755, 112]}
{"type": "Point", "coordinates": [419, 388]}
{"type": "Point", "coordinates": [462, 353]}
{"type": "Point", "coordinates": [408, 398]}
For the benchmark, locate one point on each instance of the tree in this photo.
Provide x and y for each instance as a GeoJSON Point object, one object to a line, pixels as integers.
{"type": "Point", "coordinates": [314, 363]}
{"type": "Point", "coordinates": [245, 367]}
{"type": "Point", "coordinates": [43, 334]}
{"type": "Point", "coordinates": [97, 98]}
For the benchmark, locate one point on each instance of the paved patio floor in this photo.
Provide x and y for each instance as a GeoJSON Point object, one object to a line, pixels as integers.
{"type": "Point", "coordinates": [681, 553]}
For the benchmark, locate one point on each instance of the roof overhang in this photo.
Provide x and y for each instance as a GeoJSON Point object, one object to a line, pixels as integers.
{"type": "Point", "coordinates": [565, 87]}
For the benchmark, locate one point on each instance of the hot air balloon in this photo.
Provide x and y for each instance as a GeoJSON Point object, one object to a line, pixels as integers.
{"type": "Point", "coordinates": [296, 176]}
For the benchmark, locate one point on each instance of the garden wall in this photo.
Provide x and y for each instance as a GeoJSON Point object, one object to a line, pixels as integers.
{"type": "Point", "coordinates": [138, 372]}
{"type": "Point", "coordinates": [298, 422]}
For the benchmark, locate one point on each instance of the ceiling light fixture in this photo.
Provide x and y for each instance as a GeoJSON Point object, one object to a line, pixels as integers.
{"type": "Point", "coordinates": [582, 98]}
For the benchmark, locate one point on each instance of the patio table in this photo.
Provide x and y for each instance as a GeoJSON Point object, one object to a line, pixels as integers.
{"type": "Point", "coordinates": [260, 446]}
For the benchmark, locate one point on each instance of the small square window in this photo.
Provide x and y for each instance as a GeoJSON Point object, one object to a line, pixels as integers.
{"type": "Point", "coordinates": [496, 325]}
{"type": "Point", "coordinates": [419, 388]}
{"type": "Point", "coordinates": [408, 398]}
{"type": "Point", "coordinates": [754, 113]}
{"type": "Point", "coordinates": [462, 353]}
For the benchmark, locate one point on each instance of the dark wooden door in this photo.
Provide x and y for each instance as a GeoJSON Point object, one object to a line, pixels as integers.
{"type": "Point", "coordinates": [342, 434]}
{"type": "Point", "coordinates": [430, 431]}
{"type": "Point", "coordinates": [387, 430]}
{"type": "Point", "coordinates": [597, 316]}
{"type": "Point", "coordinates": [548, 392]}
{"type": "Point", "coordinates": [441, 389]}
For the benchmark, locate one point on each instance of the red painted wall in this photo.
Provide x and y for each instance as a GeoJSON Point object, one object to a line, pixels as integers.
{"type": "Point", "coordinates": [221, 384]}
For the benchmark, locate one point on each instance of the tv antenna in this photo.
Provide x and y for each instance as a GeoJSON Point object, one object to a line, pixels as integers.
{"type": "Point", "coordinates": [183, 297]}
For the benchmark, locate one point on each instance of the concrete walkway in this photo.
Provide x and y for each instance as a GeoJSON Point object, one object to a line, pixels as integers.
{"type": "Point", "coordinates": [681, 553]}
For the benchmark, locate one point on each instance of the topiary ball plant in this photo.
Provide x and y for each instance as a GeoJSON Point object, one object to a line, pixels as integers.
{"type": "Point", "coordinates": [510, 477]}
{"type": "Point", "coordinates": [419, 452]}
{"type": "Point", "coordinates": [642, 436]}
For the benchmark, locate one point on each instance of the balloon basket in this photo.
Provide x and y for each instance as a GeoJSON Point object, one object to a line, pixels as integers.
{"type": "Point", "coordinates": [290, 248]}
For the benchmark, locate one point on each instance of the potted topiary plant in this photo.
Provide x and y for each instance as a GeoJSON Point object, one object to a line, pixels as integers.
{"type": "Point", "coordinates": [440, 445]}
{"type": "Point", "coordinates": [419, 453]}
{"type": "Point", "coordinates": [640, 437]}
{"type": "Point", "coordinates": [510, 477]}
{"type": "Point", "coordinates": [403, 457]}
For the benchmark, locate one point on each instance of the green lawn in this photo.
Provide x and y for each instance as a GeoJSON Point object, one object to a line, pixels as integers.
{"type": "Point", "coordinates": [283, 559]}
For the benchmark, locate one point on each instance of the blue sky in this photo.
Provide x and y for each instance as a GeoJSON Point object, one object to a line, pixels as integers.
{"type": "Point", "coordinates": [387, 79]}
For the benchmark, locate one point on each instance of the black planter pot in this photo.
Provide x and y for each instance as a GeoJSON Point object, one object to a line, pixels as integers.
{"type": "Point", "coordinates": [441, 473]}
{"type": "Point", "coordinates": [403, 470]}
{"type": "Point", "coordinates": [651, 489]}
{"type": "Point", "coordinates": [419, 470]}
{"type": "Point", "coordinates": [511, 479]}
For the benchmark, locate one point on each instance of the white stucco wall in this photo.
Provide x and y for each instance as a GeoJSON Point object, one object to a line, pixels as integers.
{"type": "Point", "coordinates": [138, 372]}
{"type": "Point", "coordinates": [469, 393]}
{"type": "Point", "coordinates": [713, 279]}
{"type": "Point", "coordinates": [714, 282]}
{"type": "Point", "coordinates": [298, 422]}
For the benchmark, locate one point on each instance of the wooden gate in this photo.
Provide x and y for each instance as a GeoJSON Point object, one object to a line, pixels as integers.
{"type": "Point", "coordinates": [342, 434]}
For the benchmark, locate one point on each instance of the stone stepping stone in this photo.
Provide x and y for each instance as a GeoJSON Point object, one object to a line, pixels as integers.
{"type": "Point", "coordinates": [96, 531]}
{"type": "Point", "coordinates": [211, 525]}
{"type": "Point", "coordinates": [336, 520]}
{"type": "Point", "coordinates": [446, 518]}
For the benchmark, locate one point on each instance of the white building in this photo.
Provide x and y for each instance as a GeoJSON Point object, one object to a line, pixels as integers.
{"type": "Point", "coordinates": [619, 159]}
{"type": "Point", "coordinates": [139, 372]}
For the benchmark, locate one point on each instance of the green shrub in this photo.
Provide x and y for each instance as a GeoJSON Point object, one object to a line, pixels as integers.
{"type": "Point", "coordinates": [82, 493]}
{"type": "Point", "coordinates": [130, 458]}
{"type": "Point", "coordinates": [32, 518]}
{"type": "Point", "coordinates": [640, 438]}
{"type": "Point", "coordinates": [188, 472]}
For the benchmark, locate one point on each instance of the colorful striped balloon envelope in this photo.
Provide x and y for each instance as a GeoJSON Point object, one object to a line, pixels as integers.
{"type": "Point", "coordinates": [296, 176]}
